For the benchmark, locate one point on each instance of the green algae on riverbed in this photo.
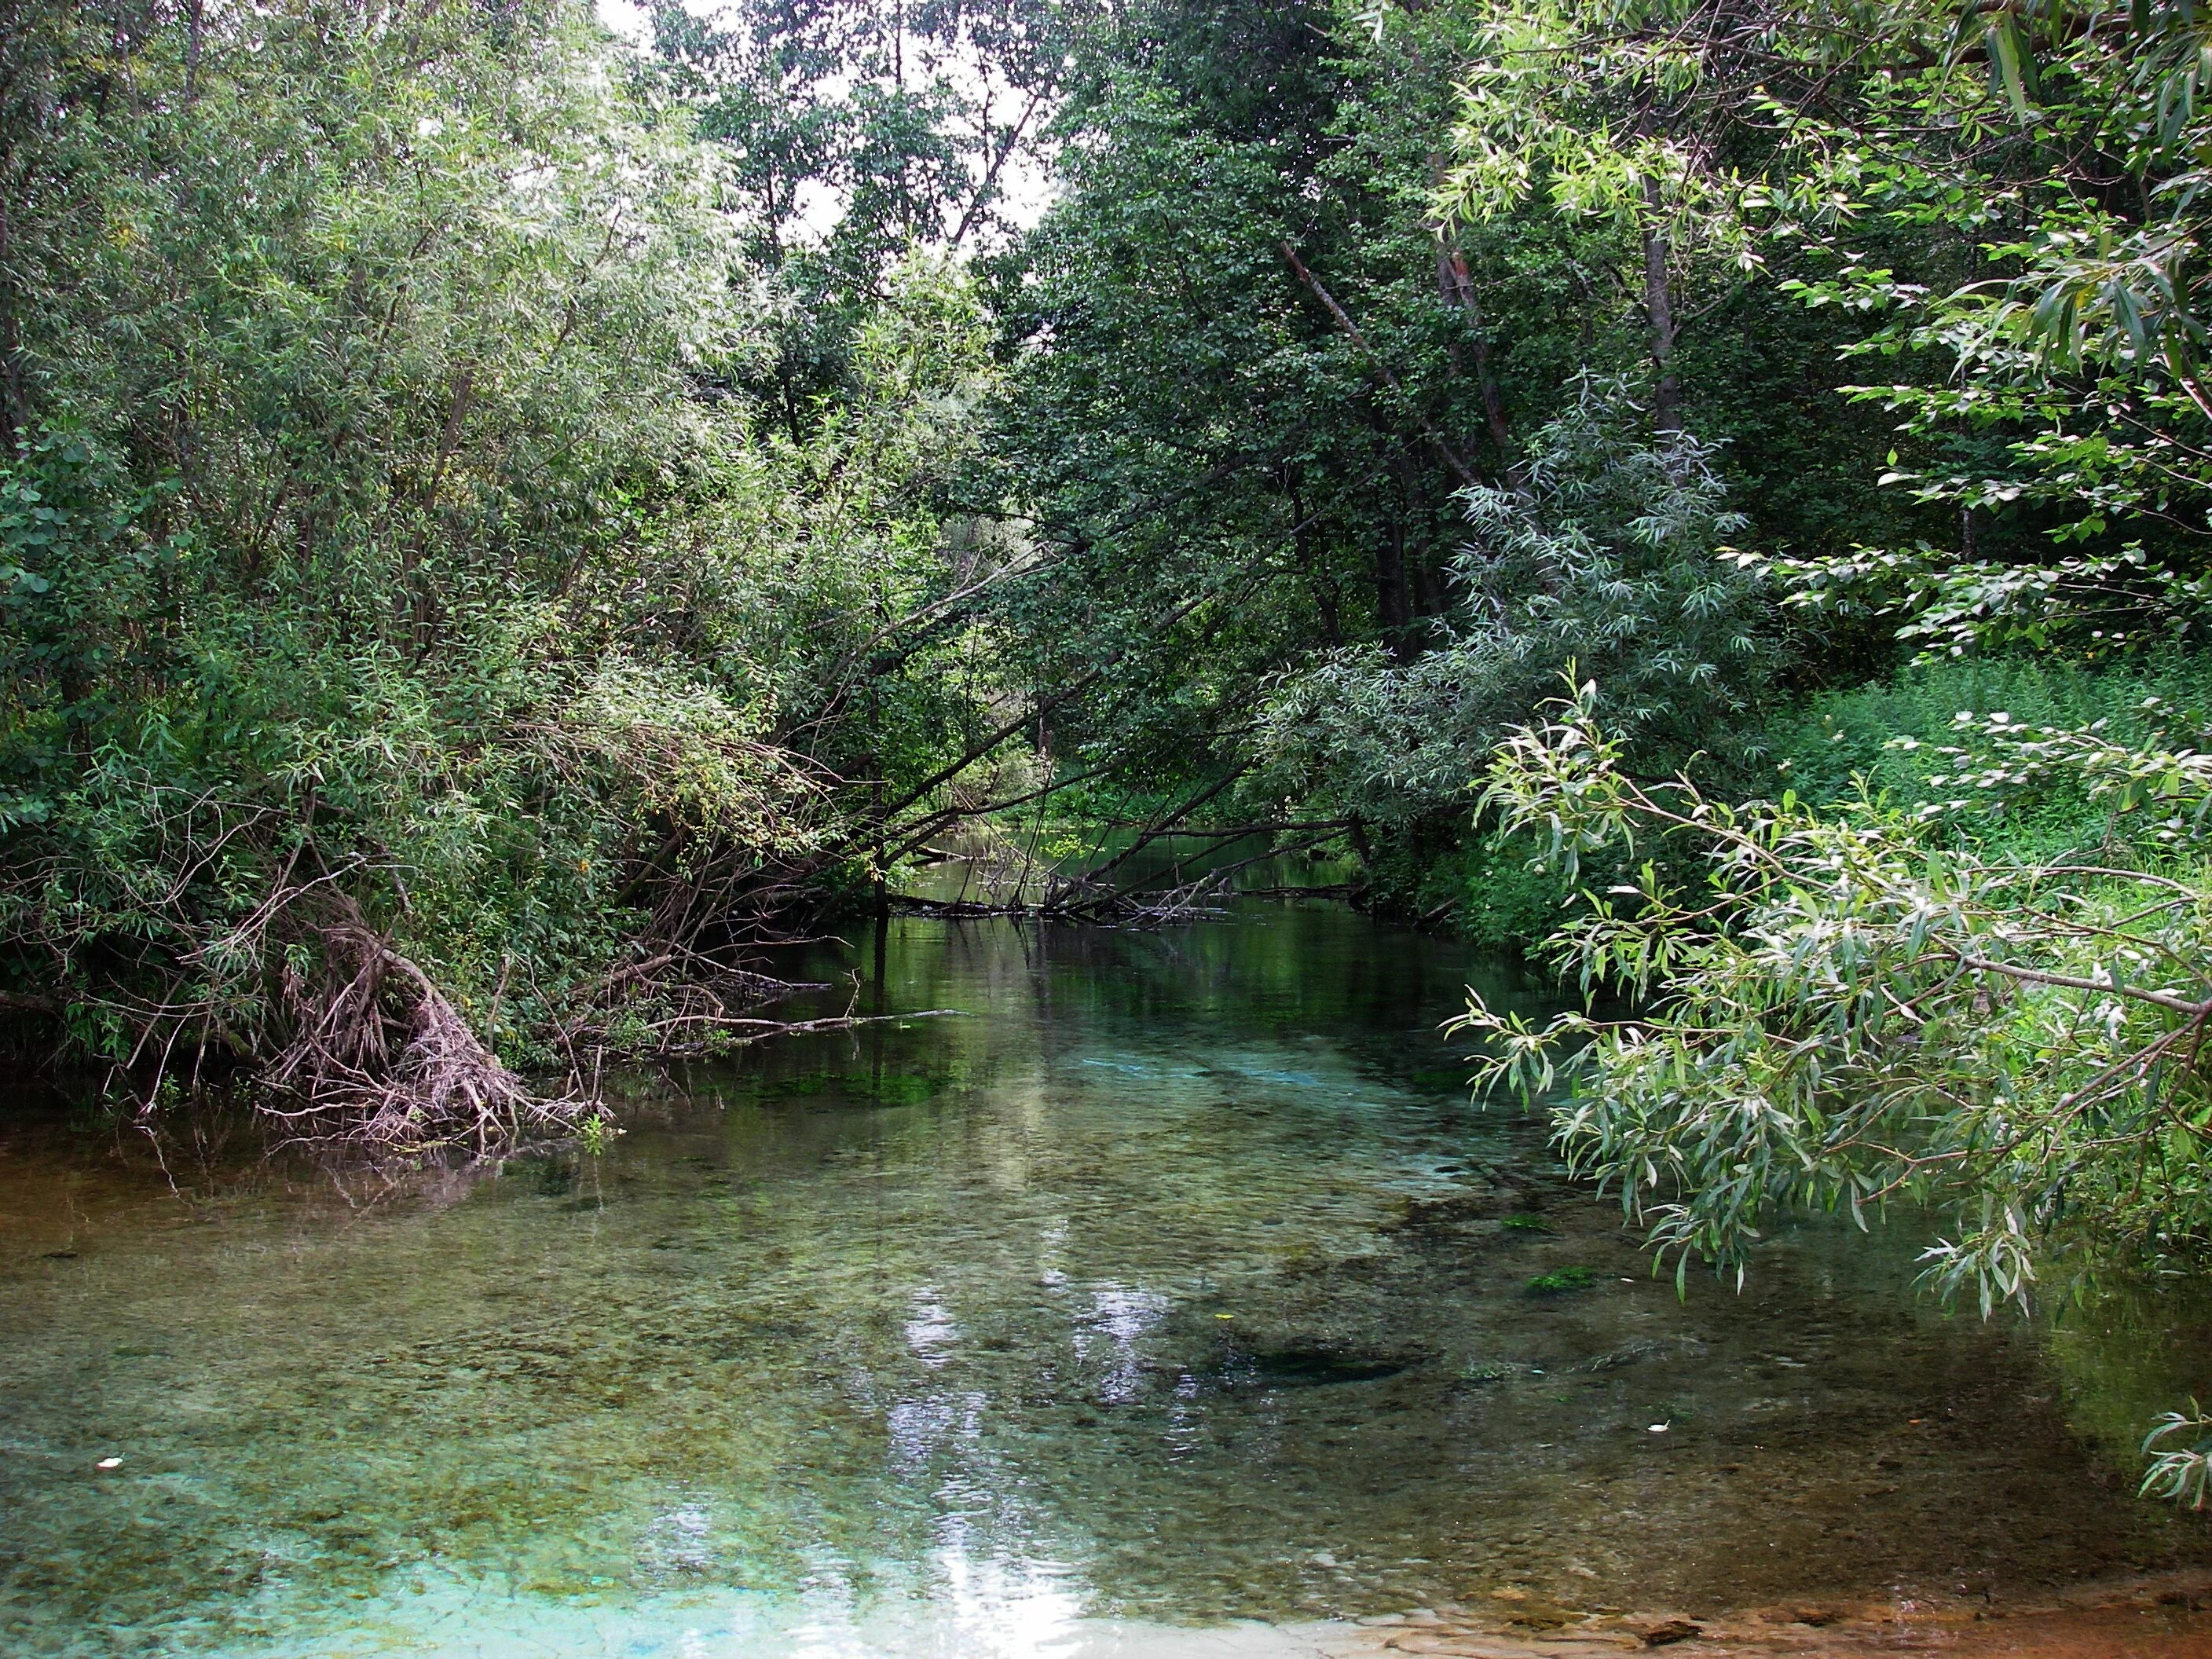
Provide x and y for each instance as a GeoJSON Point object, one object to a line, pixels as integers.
{"type": "Point", "coordinates": [1166, 1288]}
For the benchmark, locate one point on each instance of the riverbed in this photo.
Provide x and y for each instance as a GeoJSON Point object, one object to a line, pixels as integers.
{"type": "Point", "coordinates": [1167, 1297]}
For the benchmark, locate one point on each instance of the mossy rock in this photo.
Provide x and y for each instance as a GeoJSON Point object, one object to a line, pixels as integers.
{"type": "Point", "coordinates": [1560, 1281]}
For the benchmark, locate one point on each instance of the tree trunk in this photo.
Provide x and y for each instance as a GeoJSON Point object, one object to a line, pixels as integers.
{"type": "Point", "coordinates": [1659, 312]}
{"type": "Point", "coordinates": [194, 23]}
{"type": "Point", "coordinates": [1418, 509]}
{"type": "Point", "coordinates": [1457, 285]}
{"type": "Point", "coordinates": [1319, 581]}
{"type": "Point", "coordinates": [1393, 604]}
{"type": "Point", "coordinates": [15, 404]}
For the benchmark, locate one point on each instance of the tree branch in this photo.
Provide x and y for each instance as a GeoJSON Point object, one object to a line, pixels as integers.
{"type": "Point", "coordinates": [1460, 469]}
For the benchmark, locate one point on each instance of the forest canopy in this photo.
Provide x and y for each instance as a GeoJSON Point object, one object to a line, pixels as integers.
{"type": "Point", "coordinates": [499, 522]}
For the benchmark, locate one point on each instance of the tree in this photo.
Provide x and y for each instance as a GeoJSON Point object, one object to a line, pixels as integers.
{"type": "Point", "coordinates": [399, 620]}
{"type": "Point", "coordinates": [856, 135]}
{"type": "Point", "coordinates": [1607, 554]}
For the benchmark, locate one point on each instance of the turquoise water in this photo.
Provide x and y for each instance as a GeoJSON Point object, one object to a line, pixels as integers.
{"type": "Point", "coordinates": [1172, 1283]}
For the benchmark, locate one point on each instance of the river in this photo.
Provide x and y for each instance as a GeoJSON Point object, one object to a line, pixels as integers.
{"type": "Point", "coordinates": [1170, 1292]}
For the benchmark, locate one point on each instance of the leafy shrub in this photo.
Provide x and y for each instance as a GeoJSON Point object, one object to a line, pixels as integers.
{"type": "Point", "coordinates": [1608, 560]}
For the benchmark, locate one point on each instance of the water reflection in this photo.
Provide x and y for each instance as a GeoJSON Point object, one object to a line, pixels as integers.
{"type": "Point", "coordinates": [1180, 1284]}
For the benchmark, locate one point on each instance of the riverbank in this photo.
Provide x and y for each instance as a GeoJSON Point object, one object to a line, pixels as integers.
{"type": "Point", "coordinates": [2167, 1616]}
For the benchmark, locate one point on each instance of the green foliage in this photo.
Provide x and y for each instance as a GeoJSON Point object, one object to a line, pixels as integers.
{"type": "Point", "coordinates": [1854, 1007]}
{"type": "Point", "coordinates": [1608, 556]}
{"type": "Point", "coordinates": [2181, 1473]}
{"type": "Point", "coordinates": [382, 551]}
{"type": "Point", "coordinates": [1494, 893]}
{"type": "Point", "coordinates": [596, 1134]}
{"type": "Point", "coordinates": [2071, 338]}
{"type": "Point", "coordinates": [852, 137]}
{"type": "Point", "coordinates": [1888, 738]}
{"type": "Point", "coordinates": [1608, 113]}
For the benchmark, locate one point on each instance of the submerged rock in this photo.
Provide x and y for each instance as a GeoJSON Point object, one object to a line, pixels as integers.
{"type": "Point", "coordinates": [1646, 1352]}
{"type": "Point", "coordinates": [1320, 1365]}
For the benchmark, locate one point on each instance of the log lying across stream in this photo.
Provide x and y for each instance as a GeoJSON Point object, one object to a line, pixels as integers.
{"type": "Point", "coordinates": [1122, 910]}
{"type": "Point", "coordinates": [1020, 885]}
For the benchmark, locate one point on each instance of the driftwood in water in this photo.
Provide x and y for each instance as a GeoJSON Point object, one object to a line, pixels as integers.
{"type": "Point", "coordinates": [1097, 908]}
{"type": "Point", "coordinates": [1044, 910]}
{"type": "Point", "coordinates": [742, 1033]}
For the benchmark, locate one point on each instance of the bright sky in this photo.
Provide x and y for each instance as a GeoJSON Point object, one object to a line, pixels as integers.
{"type": "Point", "coordinates": [626, 19]}
{"type": "Point", "coordinates": [1024, 189]}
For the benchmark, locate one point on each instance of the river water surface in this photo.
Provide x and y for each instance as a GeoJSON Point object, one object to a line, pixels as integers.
{"type": "Point", "coordinates": [1173, 1282]}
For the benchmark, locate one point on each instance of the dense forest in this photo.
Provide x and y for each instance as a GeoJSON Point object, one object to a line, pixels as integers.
{"type": "Point", "coordinates": [502, 520]}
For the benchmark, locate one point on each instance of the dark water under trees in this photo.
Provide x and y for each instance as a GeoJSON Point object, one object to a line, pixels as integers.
{"type": "Point", "coordinates": [1175, 1283]}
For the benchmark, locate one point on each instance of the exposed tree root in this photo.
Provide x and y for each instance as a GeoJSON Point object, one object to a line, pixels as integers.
{"type": "Point", "coordinates": [380, 1057]}
{"type": "Point", "coordinates": [247, 950]}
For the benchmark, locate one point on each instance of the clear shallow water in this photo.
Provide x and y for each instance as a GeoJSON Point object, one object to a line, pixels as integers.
{"type": "Point", "coordinates": [1175, 1284]}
